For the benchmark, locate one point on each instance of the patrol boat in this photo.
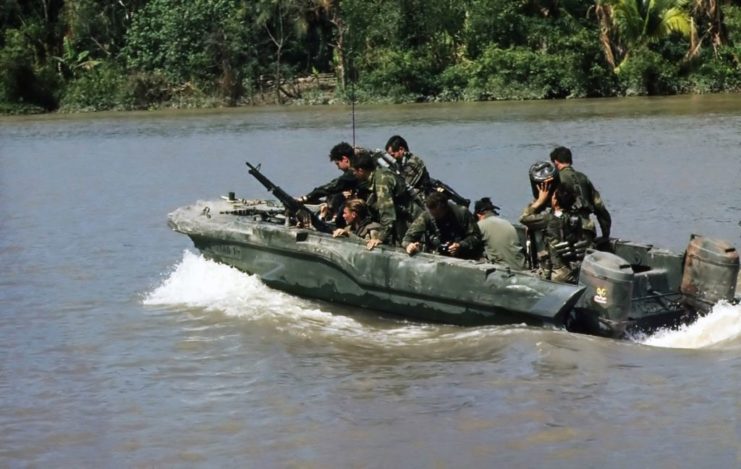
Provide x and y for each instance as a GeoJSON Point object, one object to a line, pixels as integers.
{"type": "Point", "coordinates": [625, 288]}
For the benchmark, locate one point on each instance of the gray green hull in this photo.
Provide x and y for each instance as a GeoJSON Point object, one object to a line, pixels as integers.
{"type": "Point", "coordinates": [424, 287]}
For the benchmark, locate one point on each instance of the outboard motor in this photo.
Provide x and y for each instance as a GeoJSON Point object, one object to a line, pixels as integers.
{"type": "Point", "coordinates": [710, 272]}
{"type": "Point", "coordinates": [605, 306]}
{"type": "Point", "coordinates": [541, 171]}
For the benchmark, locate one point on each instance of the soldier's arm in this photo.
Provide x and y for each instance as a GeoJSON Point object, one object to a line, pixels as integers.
{"type": "Point", "coordinates": [415, 231]}
{"type": "Point", "coordinates": [335, 186]}
{"type": "Point", "coordinates": [472, 240]}
{"type": "Point", "coordinates": [600, 211]}
{"type": "Point", "coordinates": [386, 210]}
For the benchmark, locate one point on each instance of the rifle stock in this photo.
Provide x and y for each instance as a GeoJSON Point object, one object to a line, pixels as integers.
{"type": "Point", "coordinates": [291, 204]}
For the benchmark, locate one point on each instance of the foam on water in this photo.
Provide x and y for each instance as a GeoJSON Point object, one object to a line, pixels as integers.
{"type": "Point", "coordinates": [197, 282]}
{"type": "Point", "coordinates": [720, 328]}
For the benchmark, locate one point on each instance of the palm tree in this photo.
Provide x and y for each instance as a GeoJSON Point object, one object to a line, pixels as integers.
{"type": "Point", "coordinates": [707, 15]}
{"type": "Point", "coordinates": [628, 25]}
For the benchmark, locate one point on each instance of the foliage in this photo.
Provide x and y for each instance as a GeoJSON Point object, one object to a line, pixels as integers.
{"type": "Point", "coordinates": [141, 54]}
{"type": "Point", "coordinates": [97, 89]}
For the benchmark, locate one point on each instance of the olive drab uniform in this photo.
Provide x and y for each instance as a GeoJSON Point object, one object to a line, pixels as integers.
{"type": "Point", "coordinates": [367, 229]}
{"type": "Point", "coordinates": [390, 204]}
{"type": "Point", "coordinates": [458, 226]}
{"type": "Point", "coordinates": [588, 200]}
{"type": "Point", "coordinates": [566, 242]}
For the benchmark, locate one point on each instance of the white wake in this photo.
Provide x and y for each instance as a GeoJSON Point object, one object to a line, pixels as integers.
{"type": "Point", "coordinates": [722, 326]}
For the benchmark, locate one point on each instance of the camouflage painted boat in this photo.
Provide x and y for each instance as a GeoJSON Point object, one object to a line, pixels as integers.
{"type": "Point", "coordinates": [628, 286]}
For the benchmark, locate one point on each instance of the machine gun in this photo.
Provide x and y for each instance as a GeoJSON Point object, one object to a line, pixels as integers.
{"type": "Point", "coordinates": [291, 204]}
{"type": "Point", "coordinates": [434, 185]}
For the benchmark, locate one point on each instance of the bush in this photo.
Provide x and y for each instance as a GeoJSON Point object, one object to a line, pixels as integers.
{"type": "Point", "coordinates": [99, 89]}
{"type": "Point", "coordinates": [717, 74]}
{"type": "Point", "coordinates": [646, 72]}
{"type": "Point", "coordinates": [25, 87]}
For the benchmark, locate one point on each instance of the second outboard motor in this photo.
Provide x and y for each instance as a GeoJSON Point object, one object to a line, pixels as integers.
{"type": "Point", "coordinates": [541, 171]}
{"type": "Point", "coordinates": [710, 272]}
{"type": "Point", "coordinates": [608, 282]}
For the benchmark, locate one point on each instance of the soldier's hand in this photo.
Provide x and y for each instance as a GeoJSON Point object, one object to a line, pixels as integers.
{"type": "Point", "coordinates": [413, 248]}
{"type": "Point", "coordinates": [339, 232]}
{"type": "Point", "coordinates": [454, 248]}
{"type": "Point", "coordinates": [323, 211]}
{"type": "Point", "coordinates": [372, 243]}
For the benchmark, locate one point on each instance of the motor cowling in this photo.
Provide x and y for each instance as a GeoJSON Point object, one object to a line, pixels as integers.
{"type": "Point", "coordinates": [710, 272]}
{"type": "Point", "coordinates": [608, 292]}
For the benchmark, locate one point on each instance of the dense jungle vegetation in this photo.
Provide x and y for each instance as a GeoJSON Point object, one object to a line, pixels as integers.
{"type": "Point", "coordinates": [75, 55]}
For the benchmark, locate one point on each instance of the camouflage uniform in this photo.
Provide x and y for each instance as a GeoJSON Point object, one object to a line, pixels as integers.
{"type": "Point", "coordinates": [414, 172]}
{"type": "Point", "coordinates": [458, 226]}
{"type": "Point", "coordinates": [588, 200]}
{"type": "Point", "coordinates": [389, 203]}
{"type": "Point", "coordinates": [562, 233]}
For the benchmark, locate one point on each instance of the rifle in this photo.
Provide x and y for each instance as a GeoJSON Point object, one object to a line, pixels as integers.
{"type": "Point", "coordinates": [291, 204]}
{"type": "Point", "coordinates": [439, 186]}
{"type": "Point", "coordinates": [435, 185]}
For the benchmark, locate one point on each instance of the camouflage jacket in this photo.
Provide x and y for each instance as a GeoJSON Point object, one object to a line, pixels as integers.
{"type": "Point", "coordinates": [556, 229]}
{"type": "Point", "coordinates": [588, 200]}
{"type": "Point", "coordinates": [386, 203]}
{"type": "Point", "coordinates": [414, 171]}
{"type": "Point", "coordinates": [458, 226]}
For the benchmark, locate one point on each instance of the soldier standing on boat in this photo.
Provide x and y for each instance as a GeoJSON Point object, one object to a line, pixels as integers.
{"type": "Point", "coordinates": [339, 189]}
{"type": "Point", "coordinates": [388, 200]}
{"type": "Point", "coordinates": [501, 243]}
{"type": "Point", "coordinates": [565, 239]}
{"type": "Point", "coordinates": [588, 200]}
{"type": "Point", "coordinates": [410, 166]}
{"type": "Point", "coordinates": [445, 228]}
{"type": "Point", "coordinates": [358, 222]}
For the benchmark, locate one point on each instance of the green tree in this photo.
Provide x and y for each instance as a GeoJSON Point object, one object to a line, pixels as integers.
{"type": "Point", "coordinates": [639, 23]}
{"type": "Point", "coordinates": [197, 43]}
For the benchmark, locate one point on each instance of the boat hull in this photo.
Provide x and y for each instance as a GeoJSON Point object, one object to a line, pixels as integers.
{"type": "Point", "coordinates": [628, 287]}
{"type": "Point", "coordinates": [424, 287]}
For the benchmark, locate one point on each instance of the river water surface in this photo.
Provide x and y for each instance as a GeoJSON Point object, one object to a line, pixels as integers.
{"type": "Point", "coordinates": [120, 346]}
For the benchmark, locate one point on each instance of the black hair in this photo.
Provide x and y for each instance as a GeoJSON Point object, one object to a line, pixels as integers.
{"type": "Point", "coordinates": [565, 197]}
{"type": "Point", "coordinates": [365, 161]}
{"type": "Point", "coordinates": [436, 200]}
{"type": "Point", "coordinates": [340, 150]}
{"type": "Point", "coordinates": [396, 142]}
{"type": "Point", "coordinates": [561, 154]}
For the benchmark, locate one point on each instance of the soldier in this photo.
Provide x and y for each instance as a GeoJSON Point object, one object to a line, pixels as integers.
{"type": "Point", "coordinates": [501, 243]}
{"type": "Point", "coordinates": [388, 201]}
{"type": "Point", "coordinates": [358, 222]}
{"type": "Point", "coordinates": [565, 239]}
{"type": "Point", "coordinates": [588, 199]}
{"type": "Point", "coordinates": [337, 190]}
{"type": "Point", "coordinates": [444, 228]}
{"type": "Point", "coordinates": [410, 166]}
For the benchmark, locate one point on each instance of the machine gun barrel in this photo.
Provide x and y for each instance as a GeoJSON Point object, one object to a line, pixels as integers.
{"type": "Point", "coordinates": [291, 204]}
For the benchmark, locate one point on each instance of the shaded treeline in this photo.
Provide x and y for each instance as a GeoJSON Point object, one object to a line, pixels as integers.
{"type": "Point", "coordinates": [138, 54]}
